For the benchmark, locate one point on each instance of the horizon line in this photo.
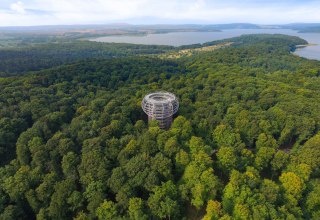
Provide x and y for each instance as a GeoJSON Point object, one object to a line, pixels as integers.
{"type": "Point", "coordinates": [155, 24]}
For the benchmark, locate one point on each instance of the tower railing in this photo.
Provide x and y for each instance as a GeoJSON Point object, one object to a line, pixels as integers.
{"type": "Point", "coordinates": [160, 106]}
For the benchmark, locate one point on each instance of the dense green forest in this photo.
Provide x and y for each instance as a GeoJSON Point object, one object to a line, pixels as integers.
{"type": "Point", "coordinates": [18, 60]}
{"type": "Point", "coordinates": [245, 143]}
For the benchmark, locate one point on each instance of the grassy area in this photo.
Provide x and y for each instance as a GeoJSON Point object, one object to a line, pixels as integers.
{"type": "Point", "coordinates": [189, 52]}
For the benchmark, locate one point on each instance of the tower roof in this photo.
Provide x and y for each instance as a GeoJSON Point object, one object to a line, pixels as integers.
{"type": "Point", "coordinates": [160, 105]}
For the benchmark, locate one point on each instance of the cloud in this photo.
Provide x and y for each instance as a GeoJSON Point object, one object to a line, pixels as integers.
{"type": "Point", "coordinates": [164, 11]}
{"type": "Point", "coordinates": [18, 7]}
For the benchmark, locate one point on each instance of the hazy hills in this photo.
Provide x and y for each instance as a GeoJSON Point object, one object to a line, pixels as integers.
{"type": "Point", "coordinates": [94, 28]}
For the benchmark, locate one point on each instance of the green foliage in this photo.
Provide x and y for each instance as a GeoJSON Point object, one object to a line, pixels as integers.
{"type": "Point", "coordinates": [263, 157]}
{"type": "Point", "coordinates": [106, 210]}
{"type": "Point", "coordinates": [197, 145]}
{"type": "Point", "coordinates": [224, 136]}
{"type": "Point", "coordinates": [312, 202]}
{"type": "Point", "coordinates": [270, 190]}
{"type": "Point", "coordinates": [42, 56]}
{"type": "Point", "coordinates": [292, 183]}
{"type": "Point", "coordinates": [164, 200]}
{"type": "Point", "coordinates": [227, 158]}
{"type": "Point", "coordinates": [279, 160]}
{"type": "Point", "coordinates": [294, 187]}
{"type": "Point", "coordinates": [199, 184]}
{"type": "Point", "coordinates": [58, 207]}
{"type": "Point", "coordinates": [75, 144]}
{"type": "Point", "coordinates": [310, 153]}
{"type": "Point", "coordinates": [136, 209]}
{"type": "Point", "coordinates": [265, 141]}
{"type": "Point", "coordinates": [213, 210]}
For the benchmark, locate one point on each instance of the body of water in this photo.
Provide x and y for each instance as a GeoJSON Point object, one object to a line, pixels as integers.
{"type": "Point", "coordinates": [185, 38]}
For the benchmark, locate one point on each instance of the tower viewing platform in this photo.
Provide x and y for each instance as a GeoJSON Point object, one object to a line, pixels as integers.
{"type": "Point", "coordinates": [160, 106]}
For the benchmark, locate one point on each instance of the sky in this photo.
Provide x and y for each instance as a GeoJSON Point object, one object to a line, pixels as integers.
{"type": "Point", "coordinates": [69, 12]}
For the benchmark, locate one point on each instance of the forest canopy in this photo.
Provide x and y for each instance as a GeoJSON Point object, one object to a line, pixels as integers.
{"type": "Point", "coordinates": [245, 143]}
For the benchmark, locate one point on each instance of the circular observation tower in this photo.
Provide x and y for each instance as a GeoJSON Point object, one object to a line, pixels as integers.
{"type": "Point", "coordinates": [160, 106]}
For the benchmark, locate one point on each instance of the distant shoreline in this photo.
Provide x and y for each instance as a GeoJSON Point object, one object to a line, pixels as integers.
{"type": "Point", "coordinates": [143, 34]}
{"type": "Point", "coordinates": [305, 45]}
{"type": "Point", "coordinates": [181, 39]}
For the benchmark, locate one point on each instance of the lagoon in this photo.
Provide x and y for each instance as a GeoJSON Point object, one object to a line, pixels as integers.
{"type": "Point", "coordinates": [186, 38]}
